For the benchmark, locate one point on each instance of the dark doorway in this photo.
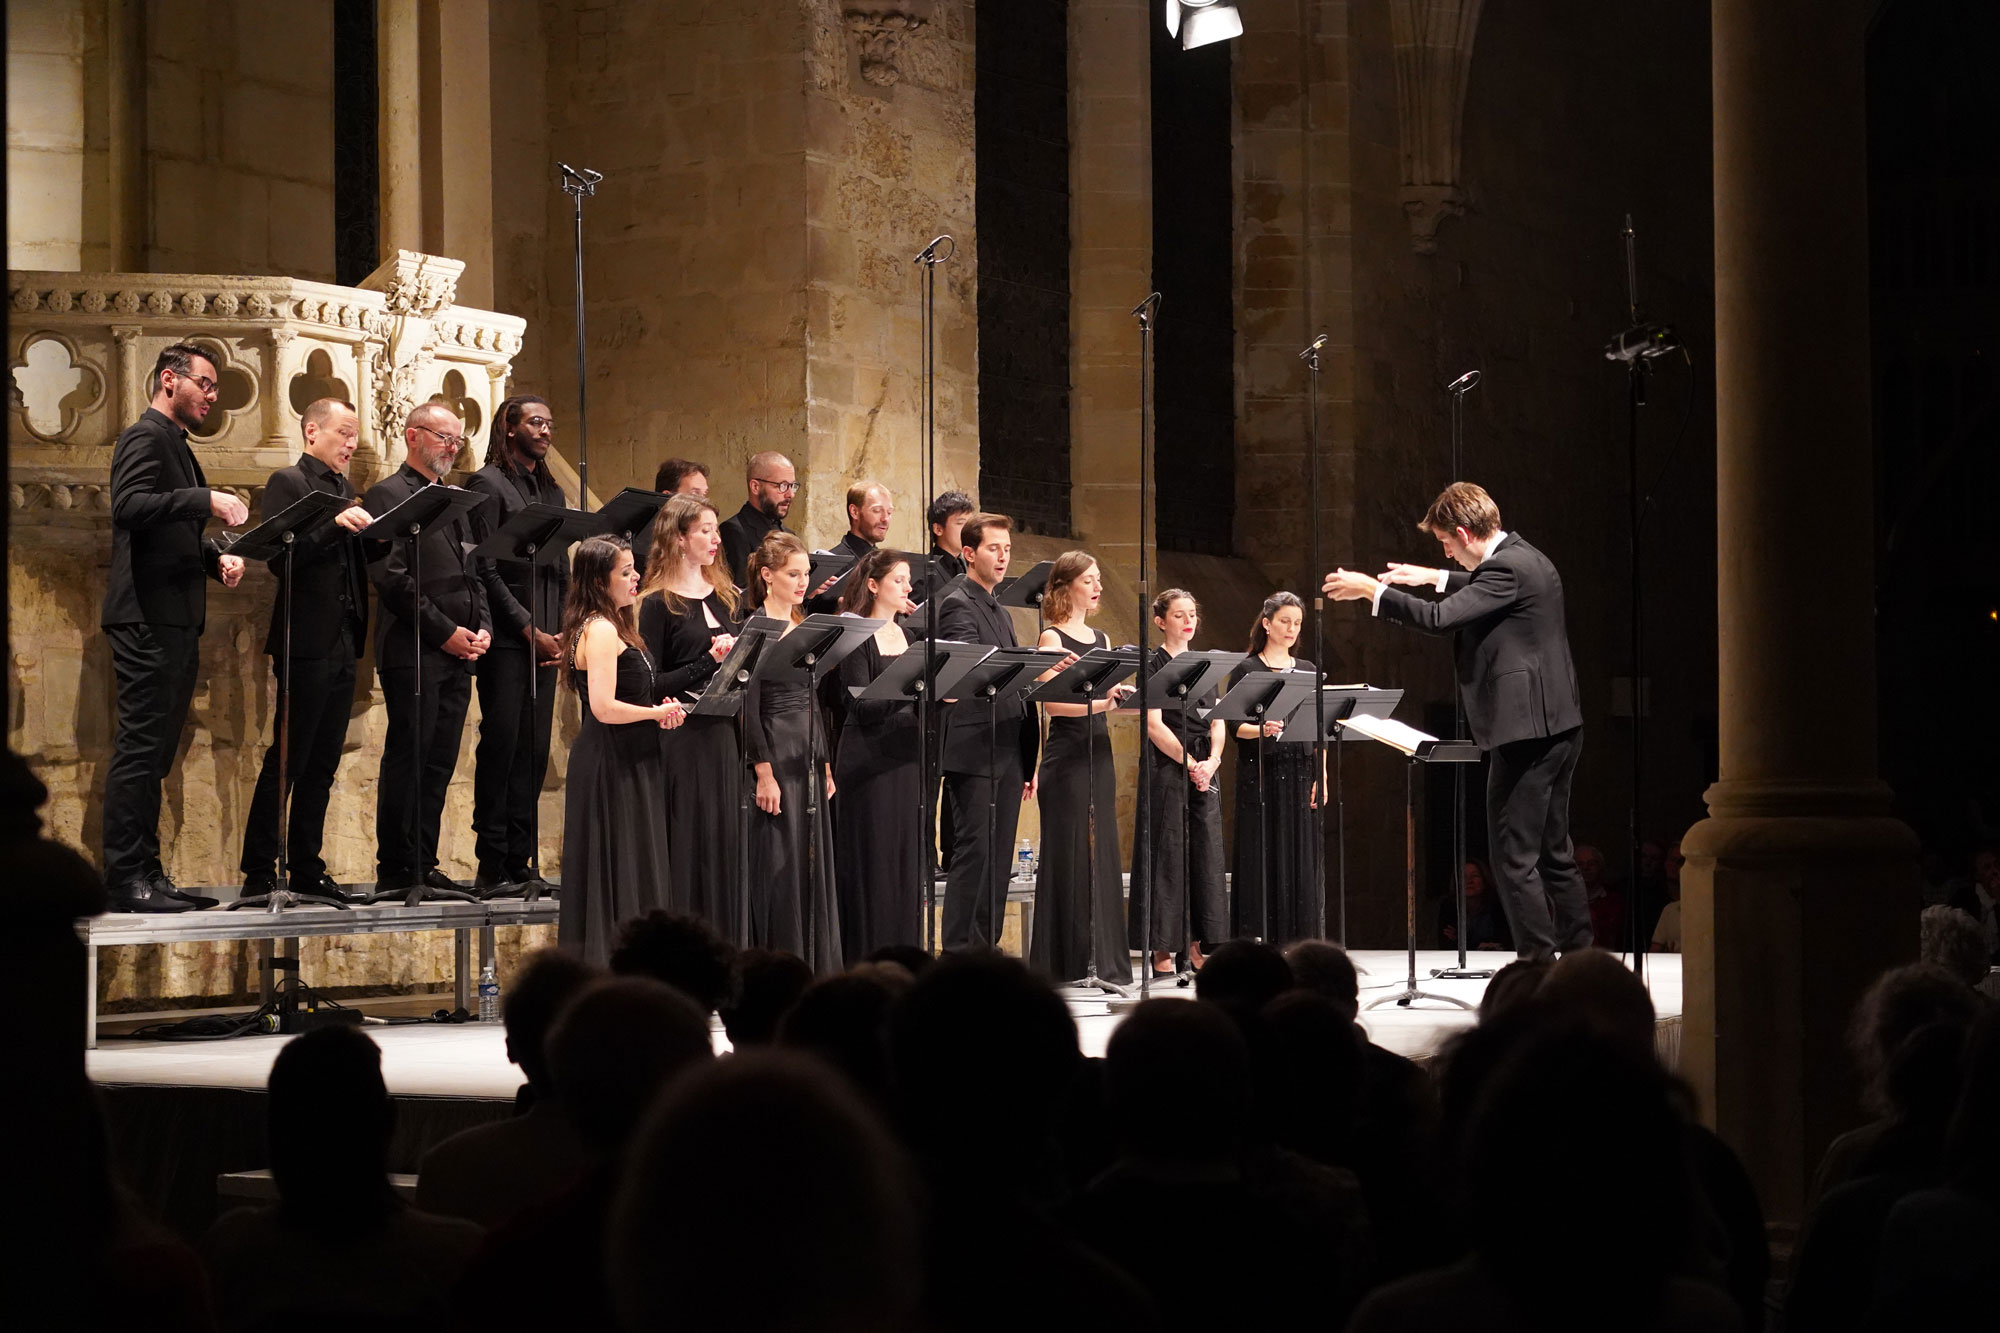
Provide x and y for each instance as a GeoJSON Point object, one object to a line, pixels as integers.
{"type": "Point", "coordinates": [356, 120]}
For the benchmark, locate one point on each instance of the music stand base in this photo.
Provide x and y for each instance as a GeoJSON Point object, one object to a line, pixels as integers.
{"type": "Point", "coordinates": [419, 893]}
{"type": "Point", "coordinates": [527, 890]}
{"type": "Point", "coordinates": [1411, 994]}
{"type": "Point", "coordinates": [1461, 973]}
{"type": "Point", "coordinates": [279, 900]}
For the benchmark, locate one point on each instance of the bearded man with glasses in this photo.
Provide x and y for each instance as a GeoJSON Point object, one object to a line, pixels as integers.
{"type": "Point", "coordinates": [772, 483]}
{"type": "Point", "coordinates": [455, 625]}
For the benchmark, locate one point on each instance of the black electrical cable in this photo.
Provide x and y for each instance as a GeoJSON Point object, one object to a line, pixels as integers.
{"type": "Point", "coordinates": [1673, 449]}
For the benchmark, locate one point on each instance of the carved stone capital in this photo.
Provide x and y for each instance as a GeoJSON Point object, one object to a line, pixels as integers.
{"type": "Point", "coordinates": [880, 27]}
{"type": "Point", "coordinates": [1427, 206]}
{"type": "Point", "coordinates": [1433, 47]}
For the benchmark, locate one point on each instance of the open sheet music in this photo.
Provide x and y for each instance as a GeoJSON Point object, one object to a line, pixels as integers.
{"type": "Point", "coordinates": [1396, 735]}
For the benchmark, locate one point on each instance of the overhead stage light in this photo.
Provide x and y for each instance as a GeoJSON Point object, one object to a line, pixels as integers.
{"type": "Point", "coordinates": [1200, 22]}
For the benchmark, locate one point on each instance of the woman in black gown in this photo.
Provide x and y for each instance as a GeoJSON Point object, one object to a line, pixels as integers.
{"type": "Point", "coordinates": [1274, 808]}
{"type": "Point", "coordinates": [1076, 763]}
{"type": "Point", "coordinates": [1182, 755]}
{"type": "Point", "coordinates": [688, 620]}
{"type": "Point", "coordinates": [792, 904]}
{"type": "Point", "coordinates": [614, 857]}
{"type": "Point", "coordinates": [877, 821]}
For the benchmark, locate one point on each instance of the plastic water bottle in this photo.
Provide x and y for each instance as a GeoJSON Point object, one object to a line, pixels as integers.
{"type": "Point", "coordinates": [1024, 862]}
{"type": "Point", "coordinates": [489, 994]}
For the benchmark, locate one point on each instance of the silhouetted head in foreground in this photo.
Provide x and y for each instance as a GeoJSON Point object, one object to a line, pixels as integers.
{"type": "Point", "coordinates": [1249, 973]}
{"type": "Point", "coordinates": [683, 951]}
{"type": "Point", "coordinates": [1201, 1120]}
{"type": "Point", "coordinates": [331, 1177]}
{"type": "Point", "coordinates": [1324, 968]}
{"type": "Point", "coordinates": [548, 981]}
{"type": "Point", "coordinates": [764, 985]}
{"type": "Point", "coordinates": [615, 1047]}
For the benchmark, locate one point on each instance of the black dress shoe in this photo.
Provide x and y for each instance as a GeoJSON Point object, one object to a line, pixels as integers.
{"type": "Point", "coordinates": [321, 885]}
{"type": "Point", "coordinates": [258, 884]}
{"type": "Point", "coordinates": [167, 888]}
{"type": "Point", "coordinates": [140, 895]}
{"type": "Point", "coordinates": [437, 879]}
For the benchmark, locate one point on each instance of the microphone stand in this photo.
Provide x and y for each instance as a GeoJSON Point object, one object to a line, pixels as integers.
{"type": "Point", "coordinates": [927, 719]}
{"type": "Point", "coordinates": [1458, 388]}
{"type": "Point", "coordinates": [1311, 357]}
{"type": "Point", "coordinates": [578, 182]}
{"type": "Point", "coordinates": [1142, 819]}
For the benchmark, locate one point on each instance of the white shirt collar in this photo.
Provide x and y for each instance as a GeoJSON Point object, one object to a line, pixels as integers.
{"type": "Point", "coordinates": [1492, 546]}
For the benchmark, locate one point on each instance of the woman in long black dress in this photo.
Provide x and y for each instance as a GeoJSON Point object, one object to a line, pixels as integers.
{"type": "Point", "coordinates": [1287, 875]}
{"type": "Point", "coordinates": [792, 904]}
{"type": "Point", "coordinates": [1182, 755]}
{"type": "Point", "coordinates": [614, 857]}
{"type": "Point", "coordinates": [688, 619]}
{"type": "Point", "coordinates": [1071, 930]}
{"type": "Point", "coordinates": [877, 821]}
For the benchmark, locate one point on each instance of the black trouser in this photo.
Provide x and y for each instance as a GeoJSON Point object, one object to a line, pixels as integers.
{"type": "Point", "coordinates": [511, 762]}
{"type": "Point", "coordinates": [977, 880]}
{"type": "Point", "coordinates": [156, 667]}
{"type": "Point", "coordinates": [418, 756]}
{"type": "Point", "coordinates": [322, 695]}
{"type": "Point", "coordinates": [1527, 818]}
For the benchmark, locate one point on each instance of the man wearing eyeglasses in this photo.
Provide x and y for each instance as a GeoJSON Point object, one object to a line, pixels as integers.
{"type": "Point", "coordinates": [527, 606]}
{"type": "Point", "coordinates": [155, 606]}
{"type": "Point", "coordinates": [450, 612]}
{"type": "Point", "coordinates": [772, 483]}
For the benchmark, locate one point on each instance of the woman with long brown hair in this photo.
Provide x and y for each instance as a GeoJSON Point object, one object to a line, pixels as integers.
{"type": "Point", "coordinates": [614, 859]}
{"type": "Point", "coordinates": [1077, 794]}
{"type": "Point", "coordinates": [790, 908]}
{"type": "Point", "coordinates": [1276, 880]}
{"type": "Point", "coordinates": [688, 619]}
{"type": "Point", "coordinates": [877, 822]}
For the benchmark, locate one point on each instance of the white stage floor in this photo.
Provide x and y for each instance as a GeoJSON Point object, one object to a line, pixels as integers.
{"type": "Point", "coordinates": [470, 1060]}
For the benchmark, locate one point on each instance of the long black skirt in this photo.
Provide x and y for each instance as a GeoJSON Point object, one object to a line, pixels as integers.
{"type": "Point", "coordinates": [878, 843]}
{"type": "Point", "coordinates": [786, 911]}
{"type": "Point", "coordinates": [1187, 844]}
{"type": "Point", "coordinates": [1277, 886]}
{"type": "Point", "coordinates": [704, 816]}
{"type": "Point", "coordinates": [1071, 912]}
{"type": "Point", "coordinates": [615, 860]}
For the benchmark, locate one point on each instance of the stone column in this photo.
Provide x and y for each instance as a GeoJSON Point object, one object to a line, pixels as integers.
{"type": "Point", "coordinates": [399, 135]}
{"type": "Point", "coordinates": [458, 141]}
{"type": "Point", "coordinates": [1111, 267]}
{"type": "Point", "coordinates": [1799, 888]}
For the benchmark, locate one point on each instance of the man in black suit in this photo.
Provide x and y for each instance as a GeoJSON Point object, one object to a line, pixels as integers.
{"type": "Point", "coordinates": [526, 602]}
{"type": "Point", "coordinates": [947, 515]}
{"type": "Point", "coordinates": [870, 506]}
{"type": "Point", "coordinates": [772, 483]}
{"type": "Point", "coordinates": [420, 749]}
{"type": "Point", "coordinates": [155, 605]}
{"type": "Point", "coordinates": [1511, 643]}
{"type": "Point", "coordinates": [983, 771]}
{"type": "Point", "coordinates": [329, 622]}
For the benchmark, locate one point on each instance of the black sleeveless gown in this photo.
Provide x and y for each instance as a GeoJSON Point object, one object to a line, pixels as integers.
{"type": "Point", "coordinates": [877, 823]}
{"type": "Point", "coordinates": [787, 912]}
{"type": "Point", "coordinates": [614, 859]}
{"type": "Point", "coordinates": [1283, 852]}
{"type": "Point", "coordinates": [1076, 761]}
{"type": "Point", "coordinates": [1187, 842]}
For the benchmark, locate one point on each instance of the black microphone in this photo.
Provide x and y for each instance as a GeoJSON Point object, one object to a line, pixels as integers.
{"type": "Point", "coordinates": [1152, 300]}
{"type": "Point", "coordinates": [1317, 343]}
{"type": "Point", "coordinates": [929, 254]}
{"type": "Point", "coordinates": [1463, 382]}
{"type": "Point", "coordinates": [584, 174]}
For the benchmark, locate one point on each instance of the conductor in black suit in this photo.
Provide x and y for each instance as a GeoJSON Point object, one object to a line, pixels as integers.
{"type": "Point", "coordinates": [456, 629]}
{"type": "Point", "coordinates": [155, 605]}
{"type": "Point", "coordinates": [526, 602]}
{"type": "Point", "coordinates": [329, 625]}
{"type": "Point", "coordinates": [979, 775]}
{"type": "Point", "coordinates": [1511, 644]}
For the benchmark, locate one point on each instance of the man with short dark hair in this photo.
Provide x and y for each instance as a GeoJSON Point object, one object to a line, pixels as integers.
{"type": "Point", "coordinates": [526, 603]}
{"type": "Point", "coordinates": [329, 603]}
{"type": "Point", "coordinates": [946, 517]}
{"type": "Point", "coordinates": [682, 476]}
{"type": "Point", "coordinates": [155, 606]}
{"type": "Point", "coordinates": [772, 483]}
{"type": "Point", "coordinates": [1511, 642]}
{"type": "Point", "coordinates": [451, 619]}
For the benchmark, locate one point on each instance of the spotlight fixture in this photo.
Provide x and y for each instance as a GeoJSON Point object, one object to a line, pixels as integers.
{"type": "Point", "coordinates": [1200, 22]}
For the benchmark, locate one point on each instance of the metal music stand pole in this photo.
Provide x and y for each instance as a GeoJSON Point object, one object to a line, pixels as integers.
{"type": "Point", "coordinates": [578, 182]}
{"type": "Point", "coordinates": [1463, 972]}
{"type": "Point", "coordinates": [1142, 819]}
{"type": "Point", "coordinates": [1311, 357]}
{"type": "Point", "coordinates": [927, 719]}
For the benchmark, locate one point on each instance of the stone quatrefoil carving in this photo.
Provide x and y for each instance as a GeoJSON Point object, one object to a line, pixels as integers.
{"type": "Point", "coordinates": [53, 387]}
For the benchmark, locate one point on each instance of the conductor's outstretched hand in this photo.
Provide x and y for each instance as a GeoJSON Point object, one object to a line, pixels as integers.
{"type": "Point", "coordinates": [1345, 585]}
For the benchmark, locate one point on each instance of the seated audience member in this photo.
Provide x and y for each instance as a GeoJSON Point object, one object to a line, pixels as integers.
{"type": "Point", "coordinates": [1543, 1261]}
{"type": "Point", "coordinates": [1485, 919]}
{"type": "Point", "coordinates": [1949, 940]}
{"type": "Point", "coordinates": [1246, 973]}
{"type": "Point", "coordinates": [982, 1058]}
{"type": "Point", "coordinates": [338, 1249]}
{"type": "Point", "coordinates": [844, 1020]}
{"type": "Point", "coordinates": [1300, 1253]}
{"type": "Point", "coordinates": [1902, 1001]}
{"type": "Point", "coordinates": [1980, 898]}
{"type": "Point", "coordinates": [763, 986]}
{"type": "Point", "coordinates": [1607, 905]}
{"type": "Point", "coordinates": [1935, 1268]}
{"type": "Point", "coordinates": [490, 1172]}
{"type": "Point", "coordinates": [683, 951]}
{"type": "Point", "coordinates": [1317, 1077]}
{"type": "Point", "coordinates": [1666, 936]}
{"type": "Point", "coordinates": [1515, 983]}
{"type": "Point", "coordinates": [612, 1051]}
{"type": "Point", "coordinates": [761, 1195]}
{"type": "Point", "coordinates": [912, 958]}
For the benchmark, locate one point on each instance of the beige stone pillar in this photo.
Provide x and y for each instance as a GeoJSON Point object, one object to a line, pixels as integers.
{"type": "Point", "coordinates": [126, 88]}
{"type": "Point", "coordinates": [458, 141]}
{"type": "Point", "coordinates": [1799, 887]}
{"type": "Point", "coordinates": [399, 133]}
{"type": "Point", "coordinates": [1111, 266]}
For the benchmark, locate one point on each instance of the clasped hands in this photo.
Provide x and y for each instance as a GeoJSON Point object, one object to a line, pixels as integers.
{"type": "Point", "coordinates": [1348, 585]}
{"type": "Point", "coordinates": [468, 644]}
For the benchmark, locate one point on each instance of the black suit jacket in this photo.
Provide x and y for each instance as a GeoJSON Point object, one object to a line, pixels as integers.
{"type": "Point", "coordinates": [858, 547]}
{"type": "Point", "coordinates": [970, 614]}
{"type": "Point", "coordinates": [1511, 645]}
{"type": "Point", "coordinates": [159, 506]}
{"type": "Point", "coordinates": [743, 532]}
{"type": "Point", "coordinates": [451, 595]}
{"type": "Point", "coordinates": [508, 594]}
{"type": "Point", "coordinates": [330, 595]}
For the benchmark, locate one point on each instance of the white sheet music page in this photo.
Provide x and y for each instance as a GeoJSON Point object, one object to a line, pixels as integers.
{"type": "Point", "coordinates": [1394, 734]}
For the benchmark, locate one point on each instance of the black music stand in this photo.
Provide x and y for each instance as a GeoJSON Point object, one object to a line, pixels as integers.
{"type": "Point", "coordinates": [723, 697]}
{"type": "Point", "coordinates": [1416, 748]}
{"type": "Point", "coordinates": [626, 514]}
{"type": "Point", "coordinates": [425, 509]}
{"type": "Point", "coordinates": [275, 539]}
{"type": "Point", "coordinates": [1340, 702]}
{"type": "Point", "coordinates": [537, 535]}
{"type": "Point", "coordinates": [1177, 684]}
{"type": "Point", "coordinates": [936, 666]}
{"type": "Point", "coordinates": [1001, 673]}
{"type": "Point", "coordinates": [824, 577]}
{"type": "Point", "coordinates": [819, 643]}
{"type": "Point", "coordinates": [1025, 591]}
{"type": "Point", "coordinates": [1256, 698]}
{"type": "Point", "coordinates": [1093, 676]}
